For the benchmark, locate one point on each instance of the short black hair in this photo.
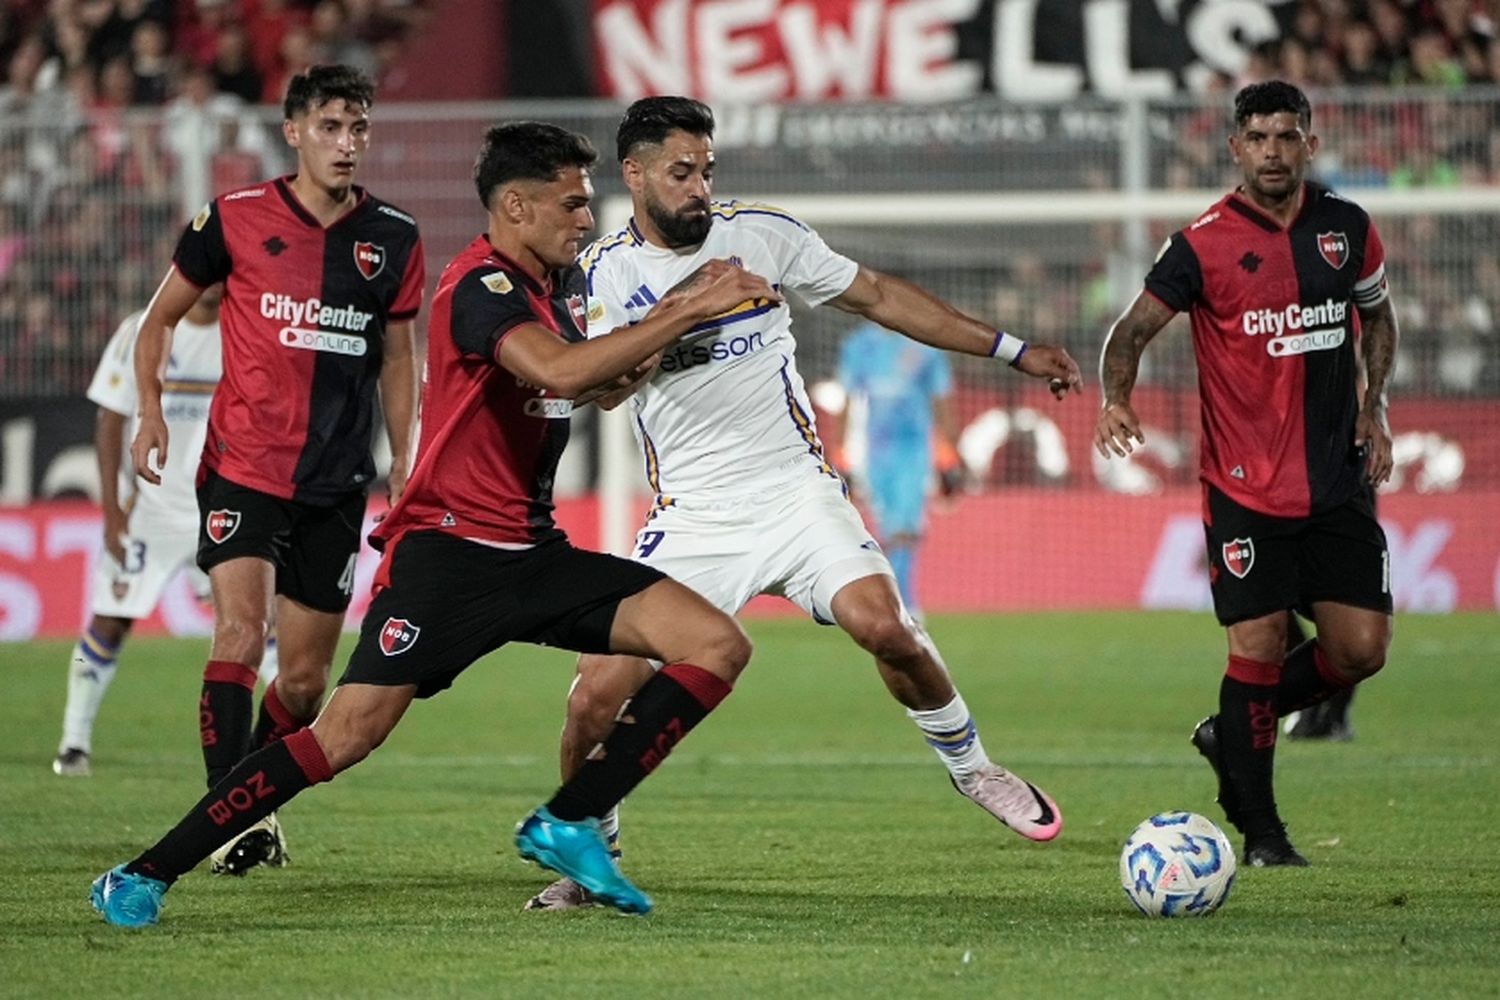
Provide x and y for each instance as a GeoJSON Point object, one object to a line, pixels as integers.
{"type": "Point", "coordinates": [321, 84]}
{"type": "Point", "coordinates": [1268, 98]}
{"type": "Point", "coordinates": [651, 119]}
{"type": "Point", "coordinates": [534, 151]}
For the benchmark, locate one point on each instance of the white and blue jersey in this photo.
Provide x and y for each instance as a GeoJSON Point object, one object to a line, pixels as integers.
{"type": "Point", "coordinates": [726, 410]}
{"type": "Point", "coordinates": [747, 503]}
{"type": "Point", "coordinates": [897, 380]}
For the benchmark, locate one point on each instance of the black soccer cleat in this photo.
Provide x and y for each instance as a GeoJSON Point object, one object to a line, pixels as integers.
{"type": "Point", "coordinates": [1272, 850]}
{"type": "Point", "coordinates": [1206, 739]}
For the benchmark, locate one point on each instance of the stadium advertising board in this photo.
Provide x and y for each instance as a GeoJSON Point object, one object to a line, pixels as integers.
{"type": "Point", "coordinates": [751, 51]}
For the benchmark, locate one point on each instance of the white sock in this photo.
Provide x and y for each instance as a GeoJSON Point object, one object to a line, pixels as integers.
{"type": "Point", "coordinates": [270, 664]}
{"type": "Point", "coordinates": [951, 733]}
{"type": "Point", "coordinates": [89, 675]}
{"type": "Point", "coordinates": [609, 825]}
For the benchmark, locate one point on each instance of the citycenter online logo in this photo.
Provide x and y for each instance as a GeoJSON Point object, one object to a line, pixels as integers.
{"type": "Point", "coordinates": [308, 322]}
{"type": "Point", "coordinates": [1298, 329]}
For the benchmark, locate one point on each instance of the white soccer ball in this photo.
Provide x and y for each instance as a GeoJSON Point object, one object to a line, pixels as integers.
{"type": "Point", "coordinates": [1177, 864]}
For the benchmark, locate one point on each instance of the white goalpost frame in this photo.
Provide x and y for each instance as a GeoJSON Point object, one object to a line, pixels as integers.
{"type": "Point", "coordinates": [621, 482]}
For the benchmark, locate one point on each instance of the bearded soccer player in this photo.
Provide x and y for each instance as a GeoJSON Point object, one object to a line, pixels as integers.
{"type": "Point", "coordinates": [1276, 277]}
{"type": "Point", "coordinates": [322, 284]}
{"type": "Point", "coordinates": [747, 503]}
{"type": "Point", "coordinates": [472, 558]}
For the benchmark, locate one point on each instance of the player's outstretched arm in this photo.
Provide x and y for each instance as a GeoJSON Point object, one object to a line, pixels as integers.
{"type": "Point", "coordinates": [1372, 430]}
{"type": "Point", "coordinates": [173, 298]}
{"type": "Point", "coordinates": [569, 370]}
{"type": "Point", "coordinates": [1119, 363]}
{"type": "Point", "coordinates": [398, 399]}
{"type": "Point", "coordinates": [900, 305]}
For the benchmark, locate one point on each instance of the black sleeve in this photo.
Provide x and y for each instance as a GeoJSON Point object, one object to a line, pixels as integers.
{"type": "Point", "coordinates": [1175, 278]}
{"type": "Point", "coordinates": [202, 256]}
{"type": "Point", "coordinates": [487, 304]}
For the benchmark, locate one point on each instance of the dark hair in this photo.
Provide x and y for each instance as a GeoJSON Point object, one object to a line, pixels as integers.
{"type": "Point", "coordinates": [533, 151]}
{"type": "Point", "coordinates": [651, 119]}
{"type": "Point", "coordinates": [321, 84]}
{"type": "Point", "coordinates": [1268, 98]}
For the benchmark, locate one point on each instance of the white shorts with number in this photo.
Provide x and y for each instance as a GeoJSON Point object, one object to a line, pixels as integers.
{"type": "Point", "coordinates": [804, 542]}
{"type": "Point", "coordinates": [158, 545]}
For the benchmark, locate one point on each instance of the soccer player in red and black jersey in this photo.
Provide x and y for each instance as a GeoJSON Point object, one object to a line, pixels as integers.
{"type": "Point", "coordinates": [472, 558]}
{"type": "Point", "coordinates": [1278, 278]}
{"type": "Point", "coordinates": [322, 285]}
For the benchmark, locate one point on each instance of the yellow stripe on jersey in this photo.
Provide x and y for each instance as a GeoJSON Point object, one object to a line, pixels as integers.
{"type": "Point", "coordinates": [591, 254]}
{"type": "Point", "coordinates": [804, 424]}
{"type": "Point", "coordinates": [653, 464]}
{"type": "Point", "coordinates": [729, 209]}
{"type": "Point", "coordinates": [188, 386]}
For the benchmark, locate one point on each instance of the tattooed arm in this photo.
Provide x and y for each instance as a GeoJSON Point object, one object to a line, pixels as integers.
{"type": "Point", "coordinates": [1118, 364]}
{"type": "Point", "coordinates": [1372, 430]}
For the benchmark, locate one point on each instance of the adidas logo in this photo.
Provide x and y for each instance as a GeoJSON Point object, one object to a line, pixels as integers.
{"type": "Point", "coordinates": [641, 299]}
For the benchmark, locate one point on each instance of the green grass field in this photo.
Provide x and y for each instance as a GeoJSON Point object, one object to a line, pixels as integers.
{"type": "Point", "coordinates": [803, 843]}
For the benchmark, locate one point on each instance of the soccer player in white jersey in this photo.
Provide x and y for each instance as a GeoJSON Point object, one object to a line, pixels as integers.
{"type": "Point", "coordinates": [746, 502]}
{"type": "Point", "coordinates": [148, 534]}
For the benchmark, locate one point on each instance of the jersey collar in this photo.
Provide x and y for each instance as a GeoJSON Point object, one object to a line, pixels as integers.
{"type": "Point", "coordinates": [1246, 208]}
{"type": "Point", "coordinates": [284, 188]}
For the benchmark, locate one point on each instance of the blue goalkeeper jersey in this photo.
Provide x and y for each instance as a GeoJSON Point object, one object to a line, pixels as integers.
{"type": "Point", "coordinates": [899, 378]}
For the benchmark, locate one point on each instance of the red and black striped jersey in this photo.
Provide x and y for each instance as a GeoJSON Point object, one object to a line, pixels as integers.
{"type": "Point", "coordinates": [1274, 320]}
{"type": "Point", "coordinates": [490, 440]}
{"type": "Point", "coordinates": [304, 317]}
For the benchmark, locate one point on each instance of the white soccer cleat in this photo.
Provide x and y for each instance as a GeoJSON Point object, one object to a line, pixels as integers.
{"type": "Point", "coordinates": [262, 844]}
{"type": "Point", "coordinates": [72, 763]}
{"type": "Point", "coordinates": [1012, 800]}
{"type": "Point", "coordinates": [564, 894]}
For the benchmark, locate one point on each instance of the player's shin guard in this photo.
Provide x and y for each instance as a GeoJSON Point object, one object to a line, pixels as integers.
{"type": "Point", "coordinates": [662, 712]}
{"type": "Point", "coordinates": [261, 784]}
{"type": "Point", "coordinates": [224, 716]}
{"type": "Point", "coordinates": [1247, 736]}
{"type": "Point", "coordinates": [1307, 679]}
{"type": "Point", "coordinates": [276, 722]}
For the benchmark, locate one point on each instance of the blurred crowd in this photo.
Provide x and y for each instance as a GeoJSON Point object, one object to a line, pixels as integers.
{"type": "Point", "coordinates": [114, 114]}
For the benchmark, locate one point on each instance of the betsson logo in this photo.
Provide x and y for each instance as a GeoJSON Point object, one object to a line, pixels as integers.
{"type": "Point", "coordinates": [303, 318]}
{"type": "Point", "coordinates": [1292, 328]}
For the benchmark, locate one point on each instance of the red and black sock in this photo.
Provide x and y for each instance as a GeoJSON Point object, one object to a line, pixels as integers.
{"type": "Point", "coordinates": [258, 786]}
{"type": "Point", "coordinates": [225, 712]}
{"type": "Point", "coordinates": [1247, 739]}
{"type": "Point", "coordinates": [662, 712]}
{"type": "Point", "coordinates": [276, 722]}
{"type": "Point", "coordinates": [1307, 679]}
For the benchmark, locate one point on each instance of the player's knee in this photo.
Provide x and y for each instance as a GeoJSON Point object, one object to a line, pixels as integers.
{"type": "Point", "coordinates": [887, 634]}
{"type": "Point", "coordinates": [592, 707]}
{"type": "Point", "coordinates": [1357, 656]}
{"type": "Point", "coordinates": [301, 687]}
{"type": "Point", "coordinates": [241, 638]}
{"type": "Point", "coordinates": [347, 745]}
{"type": "Point", "coordinates": [730, 647]}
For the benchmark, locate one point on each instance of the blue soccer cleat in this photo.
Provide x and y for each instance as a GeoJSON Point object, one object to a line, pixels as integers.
{"type": "Point", "coordinates": [577, 850]}
{"type": "Point", "coordinates": [127, 900]}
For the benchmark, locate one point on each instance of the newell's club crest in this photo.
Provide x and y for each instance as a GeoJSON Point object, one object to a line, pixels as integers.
{"type": "Point", "coordinates": [578, 312]}
{"type": "Point", "coordinates": [1239, 556]}
{"type": "Point", "coordinates": [369, 258]}
{"type": "Point", "coordinates": [221, 524]}
{"type": "Point", "coordinates": [398, 635]}
{"type": "Point", "coordinates": [1335, 249]}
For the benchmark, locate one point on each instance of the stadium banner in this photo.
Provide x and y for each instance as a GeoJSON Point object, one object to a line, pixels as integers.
{"type": "Point", "coordinates": [1061, 549]}
{"type": "Point", "coordinates": [752, 51]}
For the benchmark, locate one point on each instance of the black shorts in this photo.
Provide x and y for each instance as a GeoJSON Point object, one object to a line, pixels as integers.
{"type": "Point", "coordinates": [312, 547]}
{"type": "Point", "coordinates": [447, 602]}
{"type": "Point", "coordinates": [1259, 564]}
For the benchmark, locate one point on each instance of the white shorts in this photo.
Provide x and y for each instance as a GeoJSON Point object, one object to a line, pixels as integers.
{"type": "Point", "coordinates": [804, 542]}
{"type": "Point", "coordinates": [158, 545]}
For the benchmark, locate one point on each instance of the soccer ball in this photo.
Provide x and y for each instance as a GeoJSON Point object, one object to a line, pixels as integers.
{"type": "Point", "coordinates": [1177, 864]}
